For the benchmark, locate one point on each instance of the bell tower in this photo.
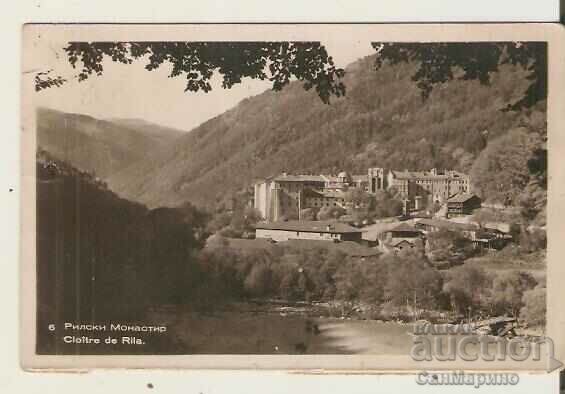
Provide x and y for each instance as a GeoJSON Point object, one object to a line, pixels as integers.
{"type": "Point", "coordinates": [377, 179]}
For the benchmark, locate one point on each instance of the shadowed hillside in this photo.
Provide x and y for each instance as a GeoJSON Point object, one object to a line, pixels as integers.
{"type": "Point", "coordinates": [382, 121]}
{"type": "Point", "coordinates": [101, 257]}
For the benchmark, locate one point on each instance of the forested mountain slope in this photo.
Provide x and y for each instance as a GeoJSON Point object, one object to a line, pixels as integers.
{"type": "Point", "coordinates": [161, 135]}
{"type": "Point", "coordinates": [382, 121]}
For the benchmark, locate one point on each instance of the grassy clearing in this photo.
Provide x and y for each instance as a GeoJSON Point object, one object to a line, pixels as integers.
{"type": "Point", "coordinates": [533, 263]}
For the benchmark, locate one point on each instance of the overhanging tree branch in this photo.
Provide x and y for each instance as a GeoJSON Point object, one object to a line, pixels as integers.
{"type": "Point", "coordinates": [277, 62]}
{"type": "Point", "coordinates": [44, 80]}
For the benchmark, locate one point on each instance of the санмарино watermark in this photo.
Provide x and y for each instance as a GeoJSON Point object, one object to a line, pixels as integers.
{"type": "Point", "coordinates": [460, 378]}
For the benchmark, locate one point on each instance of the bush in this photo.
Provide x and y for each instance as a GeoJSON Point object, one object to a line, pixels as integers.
{"type": "Point", "coordinates": [508, 290]}
{"type": "Point", "coordinates": [328, 213]}
{"type": "Point", "coordinates": [465, 286]}
{"type": "Point", "coordinates": [258, 282]}
{"type": "Point", "coordinates": [411, 279]}
{"type": "Point", "coordinates": [445, 245]}
{"type": "Point", "coordinates": [309, 213]}
{"type": "Point", "coordinates": [230, 232]}
{"type": "Point", "coordinates": [534, 310]}
{"type": "Point", "coordinates": [533, 240]}
{"type": "Point", "coordinates": [386, 205]}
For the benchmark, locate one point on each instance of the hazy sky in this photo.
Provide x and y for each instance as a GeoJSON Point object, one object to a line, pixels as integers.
{"type": "Point", "coordinates": [130, 91]}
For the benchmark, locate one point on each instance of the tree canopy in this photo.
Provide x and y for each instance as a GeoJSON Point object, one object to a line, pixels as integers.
{"type": "Point", "coordinates": [310, 63]}
{"type": "Point", "coordinates": [535, 306]}
{"type": "Point", "coordinates": [277, 62]}
{"type": "Point", "coordinates": [500, 173]}
{"type": "Point", "coordinates": [439, 63]}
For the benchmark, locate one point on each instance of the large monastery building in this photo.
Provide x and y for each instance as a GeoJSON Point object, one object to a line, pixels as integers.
{"type": "Point", "coordinates": [283, 196]}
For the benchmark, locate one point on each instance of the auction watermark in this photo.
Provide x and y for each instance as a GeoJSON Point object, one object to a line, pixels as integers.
{"type": "Point", "coordinates": [462, 342]}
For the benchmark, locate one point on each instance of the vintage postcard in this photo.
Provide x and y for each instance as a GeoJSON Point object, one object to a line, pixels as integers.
{"type": "Point", "coordinates": [310, 197]}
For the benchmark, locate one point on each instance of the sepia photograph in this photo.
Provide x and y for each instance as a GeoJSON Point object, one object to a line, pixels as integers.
{"type": "Point", "coordinates": [339, 196]}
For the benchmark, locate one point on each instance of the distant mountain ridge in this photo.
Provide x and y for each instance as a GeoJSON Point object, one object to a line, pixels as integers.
{"type": "Point", "coordinates": [161, 134]}
{"type": "Point", "coordinates": [382, 121]}
{"type": "Point", "coordinates": [100, 146]}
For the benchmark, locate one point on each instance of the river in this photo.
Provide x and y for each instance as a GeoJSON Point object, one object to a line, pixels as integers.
{"type": "Point", "coordinates": [245, 332]}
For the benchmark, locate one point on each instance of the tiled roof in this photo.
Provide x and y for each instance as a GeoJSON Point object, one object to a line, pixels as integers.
{"type": "Point", "coordinates": [422, 175]}
{"type": "Point", "coordinates": [401, 241]}
{"type": "Point", "coordinates": [333, 194]}
{"type": "Point", "coordinates": [312, 193]}
{"type": "Point", "coordinates": [299, 178]}
{"type": "Point", "coordinates": [461, 197]}
{"type": "Point", "coordinates": [407, 174]}
{"type": "Point", "coordinates": [415, 175]}
{"type": "Point", "coordinates": [324, 194]}
{"type": "Point", "coordinates": [310, 226]}
{"type": "Point", "coordinates": [354, 178]}
{"type": "Point", "coordinates": [447, 224]}
{"type": "Point", "coordinates": [403, 227]}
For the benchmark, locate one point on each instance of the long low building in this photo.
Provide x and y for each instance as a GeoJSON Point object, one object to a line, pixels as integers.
{"type": "Point", "coordinates": [314, 230]}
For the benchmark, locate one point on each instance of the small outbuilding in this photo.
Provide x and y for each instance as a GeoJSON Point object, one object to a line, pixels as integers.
{"type": "Point", "coordinates": [463, 204]}
{"type": "Point", "coordinates": [404, 230]}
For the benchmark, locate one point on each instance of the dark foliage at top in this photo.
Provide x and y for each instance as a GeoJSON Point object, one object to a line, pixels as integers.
{"type": "Point", "coordinates": [443, 62]}
{"type": "Point", "coordinates": [309, 62]}
{"type": "Point", "coordinates": [277, 62]}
